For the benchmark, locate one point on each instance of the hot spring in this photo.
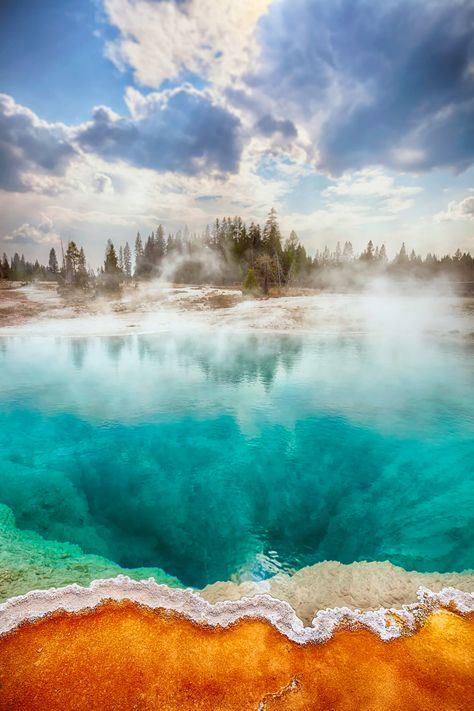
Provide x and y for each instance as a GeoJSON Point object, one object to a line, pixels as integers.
{"type": "Point", "coordinates": [219, 457]}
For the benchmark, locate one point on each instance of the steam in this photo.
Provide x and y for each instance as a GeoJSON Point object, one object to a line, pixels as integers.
{"type": "Point", "coordinates": [386, 311]}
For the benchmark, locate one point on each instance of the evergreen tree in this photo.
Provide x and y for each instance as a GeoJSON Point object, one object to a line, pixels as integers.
{"type": "Point", "coordinates": [82, 277]}
{"type": "Point", "coordinates": [15, 268]}
{"type": "Point", "coordinates": [71, 261]}
{"type": "Point", "coordinates": [160, 245]}
{"type": "Point", "coordinates": [255, 242]}
{"type": "Point", "coordinates": [402, 257]}
{"type": "Point", "coordinates": [272, 235]}
{"type": "Point", "coordinates": [110, 262]}
{"type": "Point", "coordinates": [170, 245]}
{"type": "Point", "coordinates": [289, 257]}
{"type": "Point", "coordinates": [348, 252]}
{"type": "Point", "coordinates": [138, 247]}
{"type": "Point", "coordinates": [139, 257]}
{"type": "Point", "coordinates": [368, 255]}
{"type": "Point", "coordinates": [111, 274]}
{"type": "Point", "coordinates": [22, 267]}
{"type": "Point", "coordinates": [53, 261]}
{"type": "Point", "coordinates": [4, 268]}
{"type": "Point", "coordinates": [127, 261]}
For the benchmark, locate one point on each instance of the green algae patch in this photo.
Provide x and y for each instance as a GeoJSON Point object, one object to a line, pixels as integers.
{"type": "Point", "coordinates": [29, 562]}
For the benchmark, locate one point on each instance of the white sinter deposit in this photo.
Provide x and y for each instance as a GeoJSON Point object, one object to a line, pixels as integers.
{"type": "Point", "coordinates": [386, 623]}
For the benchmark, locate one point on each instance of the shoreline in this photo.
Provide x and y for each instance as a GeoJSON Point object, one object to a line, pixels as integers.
{"type": "Point", "coordinates": [386, 623]}
{"type": "Point", "coordinates": [155, 308]}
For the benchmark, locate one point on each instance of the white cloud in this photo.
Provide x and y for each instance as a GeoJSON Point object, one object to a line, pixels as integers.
{"type": "Point", "coordinates": [42, 233]}
{"type": "Point", "coordinates": [159, 41]}
{"type": "Point", "coordinates": [373, 184]}
{"type": "Point", "coordinates": [457, 210]}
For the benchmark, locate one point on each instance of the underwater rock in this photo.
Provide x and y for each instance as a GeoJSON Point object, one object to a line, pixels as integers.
{"type": "Point", "coordinates": [30, 562]}
{"type": "Point", "coordinates": [363, 586]}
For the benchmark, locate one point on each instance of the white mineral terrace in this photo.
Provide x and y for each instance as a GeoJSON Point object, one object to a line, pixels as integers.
{"type": "Point", "coordinates": [386, 623]}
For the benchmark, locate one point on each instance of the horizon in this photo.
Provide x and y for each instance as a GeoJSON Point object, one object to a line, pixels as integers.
{"type": "Point", "coordinates": [185, 236]}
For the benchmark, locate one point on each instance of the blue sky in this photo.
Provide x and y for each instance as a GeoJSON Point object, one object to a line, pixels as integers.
{"type": "Point", "coordinates": [354, 118]}
{"type": "Point", "coordinates": [52, 58]}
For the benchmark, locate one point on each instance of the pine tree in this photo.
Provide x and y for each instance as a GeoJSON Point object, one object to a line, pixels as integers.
{"type": "Point", "coordinates": [127, 261]}
{"type": "Point", "coordinates": [111, 261]}
{"type": "Point", "coordinates": [348, 252]}
{"type": "Point", "coordinates": [5, 268]}
{"type": "Point", "coordinates": [111, 275]}
{"type": "Point", "coordinates": [255, 241]}
{"type": "Point", "coordinates": [71, 260]}
{"type": "Point", "coordinates": [368, 255]}
{"type": "Point", "coordinates": [160, 245]}
{"type": "Point", "coordinates": [138, 247]}
{"type": "Point", "coordinates": [402, 257]}
{"type": "Point", "coordinates": [53, 261]}
{"type": "Point", "coordinates": [170, 244]}
{"type": "Point", "coordinates": [272, 235]}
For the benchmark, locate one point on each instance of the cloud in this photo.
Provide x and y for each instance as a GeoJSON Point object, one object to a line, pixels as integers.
{"type": "Point", "coordinates": [181, 130]}
{"type": "Point", "coordinates": [389, 83]}
{"type": "Point", "coordinates": [374, 185]}
{"type": "Point", "coordinates": [28, 234]}
{"type": "Point", "coordinates": [457, 210]}
{"type": "Point", "coordinates": [166, 40]}
{"type": "Point", "coordinates": [29, 145]}
{"type": "Point", "coordinates": [268, 125]}
{"type": "Point", "coordinates": [103, 184]}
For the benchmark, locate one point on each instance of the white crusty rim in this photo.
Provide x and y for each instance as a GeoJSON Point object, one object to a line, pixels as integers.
{"type": "Point", "coordinates": [387, 623]}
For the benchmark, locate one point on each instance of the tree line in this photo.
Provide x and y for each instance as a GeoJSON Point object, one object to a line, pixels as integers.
{"type": "Point", "coordinates": [229, 252]}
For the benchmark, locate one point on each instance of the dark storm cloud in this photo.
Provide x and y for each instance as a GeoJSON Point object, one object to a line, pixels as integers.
{"type": "Point", "coordinates": [28, 145]}
{"type": "Point", "coordinates": [187, 133]}
{"type": "Point", "coordinates": [268, 126]}
{"type": "Point", "coordinates": [395, 79]}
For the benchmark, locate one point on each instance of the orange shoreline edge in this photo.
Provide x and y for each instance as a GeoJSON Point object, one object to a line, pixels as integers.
{"type": "Point", "coordinates": [122, 656]}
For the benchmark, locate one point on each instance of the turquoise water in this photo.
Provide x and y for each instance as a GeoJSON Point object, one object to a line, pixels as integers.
{"type": "Point", "coordinates": [220, 456]}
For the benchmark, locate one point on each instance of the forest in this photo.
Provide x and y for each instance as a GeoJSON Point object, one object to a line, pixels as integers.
{"type": "Point", "coordinates": [230, 253]}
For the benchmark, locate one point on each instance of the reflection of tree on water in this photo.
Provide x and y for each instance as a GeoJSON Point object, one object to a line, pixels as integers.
{"type": "Point", "coordinates": [79, 348]}
{"type": "Point", "coordinates": [115, 345]}
{"type": "Point", "coordinates": [250, 359]}
{"type": "Point", "coordinates": [233, 359]}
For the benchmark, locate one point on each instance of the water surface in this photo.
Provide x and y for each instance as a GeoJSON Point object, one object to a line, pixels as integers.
{"type": "Point", "coordinates": [237, 456]}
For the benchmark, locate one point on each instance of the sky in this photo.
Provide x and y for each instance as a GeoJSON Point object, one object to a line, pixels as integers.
{"type": "Point", "coordinates": [353, 118]}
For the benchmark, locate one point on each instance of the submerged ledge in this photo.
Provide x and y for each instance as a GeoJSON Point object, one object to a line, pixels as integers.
{"type": "Point", "coordinates": [359, 585]}
{"type": "Point", "coordinates": [30, 562]}
{"type": "Point", "coordinates": [386, 623]}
